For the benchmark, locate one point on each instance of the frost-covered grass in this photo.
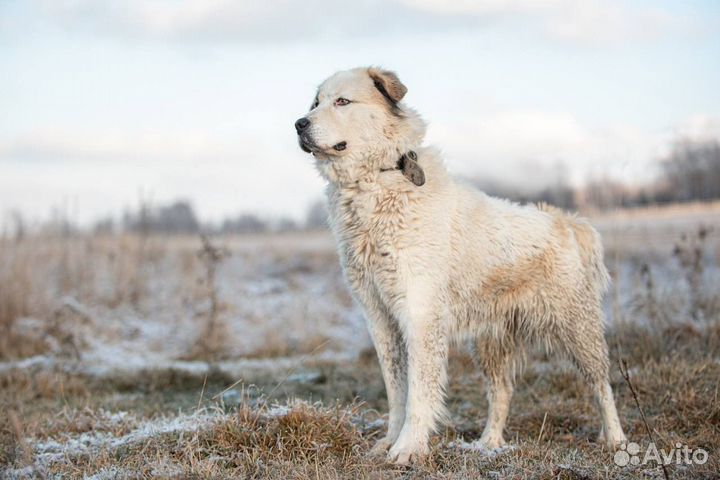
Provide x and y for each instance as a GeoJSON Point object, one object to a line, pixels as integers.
{"type": "Point", "coordinates": [128, 301]}
{"type": "Point", "coordinates": [259, 431]}
{"type": "Point", "coordinates": [100, 377]}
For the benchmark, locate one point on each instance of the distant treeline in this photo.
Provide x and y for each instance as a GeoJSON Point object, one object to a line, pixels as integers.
{"type": "Point", "coordinates": [180, 218]}
{"type": "Point", "coordinates": [691, 172]}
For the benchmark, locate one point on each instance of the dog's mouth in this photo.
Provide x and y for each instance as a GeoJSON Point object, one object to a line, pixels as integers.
{"type": "Point", "coordinates": [307, 145]}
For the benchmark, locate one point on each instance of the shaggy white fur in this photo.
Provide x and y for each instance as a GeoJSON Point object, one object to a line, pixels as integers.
{"type": "Point", "coordinates": [442, 262]}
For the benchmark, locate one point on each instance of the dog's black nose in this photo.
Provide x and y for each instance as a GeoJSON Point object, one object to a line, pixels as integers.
{"type": "Point", "coordinates": [302, 124]}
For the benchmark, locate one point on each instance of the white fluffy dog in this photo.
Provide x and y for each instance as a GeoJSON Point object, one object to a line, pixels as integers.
{"type": "Point", "coordinates": [432, 260]}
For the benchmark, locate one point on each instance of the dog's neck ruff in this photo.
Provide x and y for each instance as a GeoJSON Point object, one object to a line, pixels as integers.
{"type": "Point", "coordinates": [407, 163]}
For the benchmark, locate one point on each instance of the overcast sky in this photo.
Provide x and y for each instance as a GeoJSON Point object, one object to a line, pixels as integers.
{"type": "Point", "coordinates": [102, 100]}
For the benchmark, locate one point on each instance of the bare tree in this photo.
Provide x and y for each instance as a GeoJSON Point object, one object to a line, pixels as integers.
{"type": "Point", "coordinates": [605, 193]}
{"type": "Point", "coordinates": [692, 170]}
{"type": "Point", "coordinates": [245, 223]}
{"type": "Point", "coordinates": [177, 217]}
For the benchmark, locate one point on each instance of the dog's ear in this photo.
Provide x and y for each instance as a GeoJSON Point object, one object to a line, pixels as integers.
{"type": "Point", "coordinates": [388, 84]}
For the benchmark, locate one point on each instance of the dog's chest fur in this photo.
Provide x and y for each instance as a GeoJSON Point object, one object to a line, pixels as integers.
{"type": "Point", "coordinates": [370, 228]}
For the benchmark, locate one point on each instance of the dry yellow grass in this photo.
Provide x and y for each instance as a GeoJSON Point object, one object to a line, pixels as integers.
{"type": "Point", "coordinates": [552, 431]}
{"type": "Point", "coordinates": [673, 357]}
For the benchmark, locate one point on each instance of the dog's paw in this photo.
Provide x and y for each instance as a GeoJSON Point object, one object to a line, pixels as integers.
{"type": "Point", "coordinates": [381, 447]}
{"type": "Point", "coordinates": [491, 442]}
{"type": "Point", "coordinates": [401, 455]}
{"type": "Point", "coordinates": [614, 444]}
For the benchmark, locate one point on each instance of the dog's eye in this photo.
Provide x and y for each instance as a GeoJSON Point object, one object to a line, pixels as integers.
{"type": "Point", "coordinates": [340, 102]}
{"type": "Point", "coordinates": [315, 104]}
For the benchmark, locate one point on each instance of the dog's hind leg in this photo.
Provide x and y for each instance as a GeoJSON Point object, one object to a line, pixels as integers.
{"type": "Point", "coordinates": [496, 360]}
{"type": "Point", "coordinates": [581, 334]}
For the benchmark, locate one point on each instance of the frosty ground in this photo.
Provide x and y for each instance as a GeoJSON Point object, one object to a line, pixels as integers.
{"type": "Point", "coordinates": [133, 356]}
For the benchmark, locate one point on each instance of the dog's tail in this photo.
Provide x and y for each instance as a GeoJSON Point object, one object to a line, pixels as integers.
{"type": "Point", "coordinates": [589, 245]}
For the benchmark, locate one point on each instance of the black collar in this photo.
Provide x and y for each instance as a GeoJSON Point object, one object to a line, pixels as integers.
{"type": "Point", "coordinates": [409, 166]}
{"type": "Point", "coordinates": [401, 161]}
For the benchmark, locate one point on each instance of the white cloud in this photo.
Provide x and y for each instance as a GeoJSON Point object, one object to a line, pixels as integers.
{"type": "Point", "coordinates": [585, 21]}
{"type": "Point", "coordinates": [603, 22]}
{"type": "Point", "coordinates": [249, 20]}
{"type": "Point", "coordinates": [529, 148]}
{"type": "Point", "coordinates": [486, 7]}
{"type": "Point", "coordinates": [698, 127]}
{"type": "Point", "coordinates": [514, 134]}
{"type": "Point", "coordinates": [56, 144]}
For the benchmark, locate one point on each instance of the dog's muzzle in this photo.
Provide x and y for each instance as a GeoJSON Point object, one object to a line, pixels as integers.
{"type": "Point", "coordinates": [304, 140]}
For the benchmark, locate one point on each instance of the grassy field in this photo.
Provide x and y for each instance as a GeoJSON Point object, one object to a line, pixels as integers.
{"type": "Point", "coordinates": [148, 357]}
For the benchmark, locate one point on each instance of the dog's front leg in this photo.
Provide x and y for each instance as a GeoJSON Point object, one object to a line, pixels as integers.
{"type": "Point", "coordinates": [425, 331]}
{"type": "Point", "coordinates": [391, 352]}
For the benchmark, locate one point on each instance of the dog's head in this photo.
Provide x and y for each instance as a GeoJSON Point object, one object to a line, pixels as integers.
{"type": "Point", "coordinates": [357, 124]}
